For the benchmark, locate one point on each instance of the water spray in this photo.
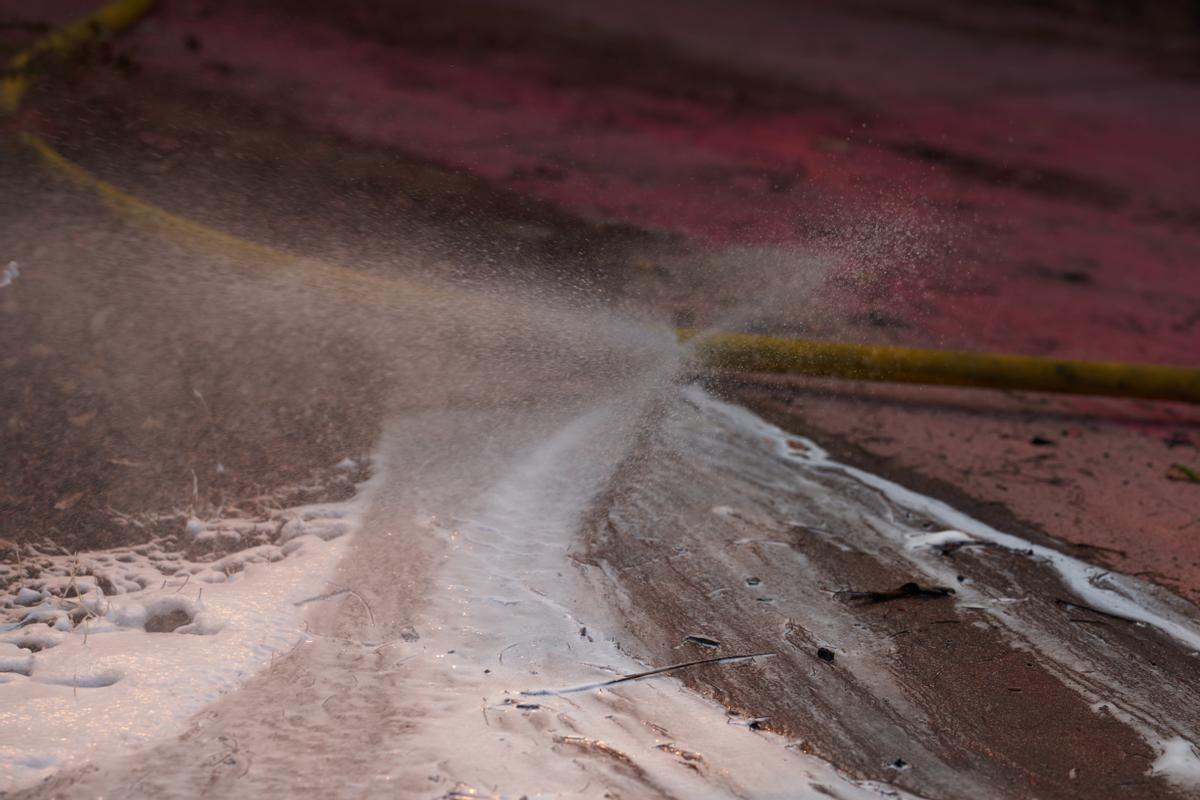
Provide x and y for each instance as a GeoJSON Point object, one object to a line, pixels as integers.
{"type": "Point", "coordinates": [723, 351]}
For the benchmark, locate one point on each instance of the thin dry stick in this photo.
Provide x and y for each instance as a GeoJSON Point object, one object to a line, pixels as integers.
{"type": "Point", "coordinates": [76, 604]}
{"type": "Point", "coordinates": [319, 597]}
{"type": "Point", "coordinates": [647, 674]}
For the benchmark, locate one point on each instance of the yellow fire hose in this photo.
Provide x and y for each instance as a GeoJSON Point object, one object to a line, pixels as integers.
{"type": "Point", "coordinates": [728, 351]}
{"type": "Point", "coordinates": [109, 18]}
{"type": "Point", "coordinates": [746, 353]}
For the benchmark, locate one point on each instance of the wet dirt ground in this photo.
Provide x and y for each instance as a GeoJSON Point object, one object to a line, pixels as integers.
{"type": "Point", "coordinates": [895, 172]}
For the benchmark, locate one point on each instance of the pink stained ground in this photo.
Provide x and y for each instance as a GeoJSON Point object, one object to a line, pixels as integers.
{"type": "Point", "coordinates": [1002, 191]}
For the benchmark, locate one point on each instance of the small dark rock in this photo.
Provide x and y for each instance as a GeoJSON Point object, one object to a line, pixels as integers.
{"type": "Point", "coordinates": [167, 622]}
{"type": "Point", "coordinates": [907, 590]}
{"type": "Point", "coordinates": [825, 654]}
{"type": "Point", "coordinates": [124, 62]}
{"type": "Point", "coordinates": [916, 590]}
{"type": "Point", "coordinates": [1178, 439]}
{"type": "Point", "coordinates": [703, 641]}
{"type": "Point", "coordinates": [1041, 441]}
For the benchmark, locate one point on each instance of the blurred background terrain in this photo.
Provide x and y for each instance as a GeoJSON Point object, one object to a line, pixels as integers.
{"type": "Point", "coordinates": [1007, 176]}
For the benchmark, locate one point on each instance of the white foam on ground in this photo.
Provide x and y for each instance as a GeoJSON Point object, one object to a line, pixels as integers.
{"type": "Point", "coordinates": [9, 273]}
{"type": "Point", "coordinates": [508, 612]}
{"type": "Point", "coordinates": [1179, 763]}
{"type": "Point", "coordinates": [107, 687]}
{"type": "Point", "coordinates": [1102, 589]}
{"type": "Point", "coordinates": [512, 623]}
{"type": "Point", "coordinates": [1121, 595]}
{"type": "Point", "coordinates": [914, 541]}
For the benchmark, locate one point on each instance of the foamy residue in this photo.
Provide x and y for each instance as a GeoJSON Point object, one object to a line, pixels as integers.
{"type": "Point", "coordinates": [1112, 592]}
{"type": "Point", "coordinates": [144, 660]}
{"type": "Point", "coordinates": [513, 624]}
{"type": "Point", "coordinates": [1179, 763]}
